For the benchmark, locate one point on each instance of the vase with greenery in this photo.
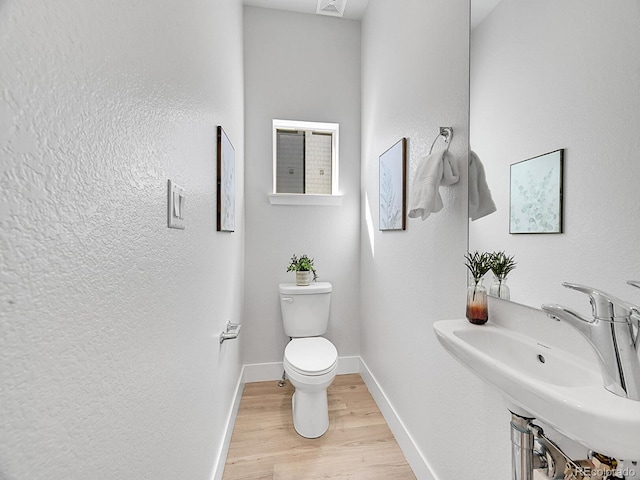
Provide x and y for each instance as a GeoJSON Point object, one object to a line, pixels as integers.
{"type": "Point", "coordinates": [501, 265]}
{"type": "Point", "coordinates": [477, 309]}
{"type": "Point", "coordinates": [303, 266]}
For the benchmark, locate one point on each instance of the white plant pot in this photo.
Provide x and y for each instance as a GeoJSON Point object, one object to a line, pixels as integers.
{"type": "Point", "coordinates": [303, 278]}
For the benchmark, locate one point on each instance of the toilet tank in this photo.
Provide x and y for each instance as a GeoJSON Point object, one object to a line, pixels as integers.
{"type": "Point", "coordinates": [305, 310]}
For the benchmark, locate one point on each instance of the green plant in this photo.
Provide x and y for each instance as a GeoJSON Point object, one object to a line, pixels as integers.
{"type": "Point", "coordinates": [302, 264]}
{"type": "Point", "coordinates": [478, 264]}
{"type": "Point", "coordinates": [501, 264]}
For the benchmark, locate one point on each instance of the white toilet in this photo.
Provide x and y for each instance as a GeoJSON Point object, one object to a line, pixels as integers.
{"type": "Point", "coordinates": [310, 361]}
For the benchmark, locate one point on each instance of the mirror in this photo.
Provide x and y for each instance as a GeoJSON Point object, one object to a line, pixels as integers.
{"type": "Point", "coordinates": [561, 74]}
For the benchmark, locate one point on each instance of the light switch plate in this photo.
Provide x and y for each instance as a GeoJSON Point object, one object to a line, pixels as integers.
{"type": "Point", "coordinates": [175, 206]}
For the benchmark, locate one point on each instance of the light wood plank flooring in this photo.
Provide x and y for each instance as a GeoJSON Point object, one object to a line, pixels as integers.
{"type": "Point", "coordinates": [358, 444]}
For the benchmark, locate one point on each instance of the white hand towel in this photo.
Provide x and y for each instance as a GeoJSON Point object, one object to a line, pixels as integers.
{"type": "Point", "coordinates": [480, 200]}
{"type": "Point", "coordinates": [436, 169]}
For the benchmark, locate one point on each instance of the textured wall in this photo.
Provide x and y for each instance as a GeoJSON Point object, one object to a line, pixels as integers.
{"type": "Point", "coordinates": [111, 368]}
{"type": "Point", "coordinates": [415, 79]}
{"type": "Point", "coordinates": [321, 85]}
{"type": "Point", "coordinates": [574, 87]}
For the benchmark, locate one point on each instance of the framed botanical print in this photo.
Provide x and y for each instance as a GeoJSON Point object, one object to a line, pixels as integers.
{"type": "Point", "coordinates": [535, 200]}
{"type": "Point", "coordinates": [226, 215]}
{"type": "Point", "coordinates": [393, 187]}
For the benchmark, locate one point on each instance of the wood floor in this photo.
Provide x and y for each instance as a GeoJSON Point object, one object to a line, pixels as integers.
{"type": "Point", "coordinates": [358, 444]}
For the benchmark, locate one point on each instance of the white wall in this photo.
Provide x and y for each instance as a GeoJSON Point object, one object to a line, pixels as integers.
{"type": "Point", "coordinates": [300, 67]}
{"type": "Point", "coordinates": [111, 367]}
{"type": "Point", "coordinates": [415, 79]}
{"type": "Point", "coordinates": [563, 74]}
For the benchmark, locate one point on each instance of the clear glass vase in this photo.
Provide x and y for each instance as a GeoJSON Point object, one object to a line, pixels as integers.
{"type": "Point", "coordinates": [500, 288]}
{"type": "Point", "coordinates": [477, 308]}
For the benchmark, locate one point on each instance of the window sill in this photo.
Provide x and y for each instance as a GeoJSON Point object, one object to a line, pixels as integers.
{"type": "Point", "coordinates": [304, 199]}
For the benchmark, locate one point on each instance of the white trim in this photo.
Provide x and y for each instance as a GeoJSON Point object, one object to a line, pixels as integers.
{"type": "Point", "coordinates": [412, 453]}
{"type": "Point", "coordinates": [304, 199]}
{"type": "Point", "coordinates": [323, 127]}
{"type": "Point", "coordinates": [347, 365]}
{"type": "Point", "coordinates": [262, 372]}
{"type": "Point", "coordinates": [221, 458]}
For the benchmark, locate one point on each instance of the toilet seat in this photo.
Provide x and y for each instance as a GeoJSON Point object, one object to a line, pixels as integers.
{"type": "Point", "coordinates": [311, 356]}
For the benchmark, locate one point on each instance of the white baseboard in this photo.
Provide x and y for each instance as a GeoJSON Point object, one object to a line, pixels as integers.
{"type": "Point", "coordinates": [412, 453]}
{"type": "Point", "coordinates": [263, 372]}
{"type": "Point", "coordinates": [347, 365]}
{"type": "Point", "coordinates": [221, 459]}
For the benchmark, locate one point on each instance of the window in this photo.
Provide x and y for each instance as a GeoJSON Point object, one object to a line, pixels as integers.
{"type": "Point", "coordinates": [305, 161]}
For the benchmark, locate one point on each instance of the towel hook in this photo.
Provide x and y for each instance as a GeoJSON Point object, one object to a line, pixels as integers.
{"type": "Point", "coordinates": [447, 133]}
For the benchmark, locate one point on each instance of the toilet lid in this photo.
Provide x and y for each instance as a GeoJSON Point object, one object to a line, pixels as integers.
{"type": "Point", "coordinates": [311, 356]}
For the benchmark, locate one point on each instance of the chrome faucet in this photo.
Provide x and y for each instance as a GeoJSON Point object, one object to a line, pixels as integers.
{"type": "Point", "coordinates": [613, 332]}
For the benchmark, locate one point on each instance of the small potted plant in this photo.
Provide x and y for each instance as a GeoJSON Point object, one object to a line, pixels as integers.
{"type": "Point", "coordinates": [501, 265]}
{"type": "Point", "coordinates": [478, 264]}
{"type": "Point", "coordinates": [303, 266]}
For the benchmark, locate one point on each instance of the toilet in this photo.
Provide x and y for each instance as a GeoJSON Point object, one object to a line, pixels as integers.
{"type": "Point", "coordinates": [310, 361]}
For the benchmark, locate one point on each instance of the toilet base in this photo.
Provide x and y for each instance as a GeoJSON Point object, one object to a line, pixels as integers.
{"type": "Point", "coordinates": [310, 413]}
{"type": "Point", "coordinates": [309, 404]}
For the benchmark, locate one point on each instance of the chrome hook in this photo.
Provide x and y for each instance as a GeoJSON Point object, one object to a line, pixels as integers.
{"type": "Point", "coordinates": [447, 134]}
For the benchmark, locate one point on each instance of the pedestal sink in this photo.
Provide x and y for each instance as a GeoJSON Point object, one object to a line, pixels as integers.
{"type": "Point", "coordinates": [560, 389]}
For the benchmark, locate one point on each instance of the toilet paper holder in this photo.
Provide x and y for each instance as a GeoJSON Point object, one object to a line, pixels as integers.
{"type": "Point", "coordinates": [231, 333]}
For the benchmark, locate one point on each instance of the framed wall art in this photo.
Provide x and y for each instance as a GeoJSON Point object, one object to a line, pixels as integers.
{"type": "Point", "coordinates": [535, 201]}
{"type": "Point", "coordinates": [226, 214]}
{"type": "Point", "coordinates": [393, 188]}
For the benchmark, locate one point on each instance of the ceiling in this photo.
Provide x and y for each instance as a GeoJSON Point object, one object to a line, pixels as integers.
{"type": "Point", "coordinates": [480, 9]}
{"type": "Point", "coordinates": [355, 9]}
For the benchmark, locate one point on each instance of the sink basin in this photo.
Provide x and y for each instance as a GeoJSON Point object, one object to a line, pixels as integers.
{"type": "Point", "coordinates": [560, 389]}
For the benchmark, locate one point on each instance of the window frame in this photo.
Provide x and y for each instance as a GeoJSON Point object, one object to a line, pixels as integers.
{"type": "Point", "coordinates": [334, 198]}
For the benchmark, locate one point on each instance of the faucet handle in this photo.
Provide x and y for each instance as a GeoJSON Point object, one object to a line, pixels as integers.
{"type": "Point", "coordinates": [635, 283]}
{"type": "Point", "coordinates": [558, 312]}
{"type": "Point", "coordinates": [603, 305]}
{"type": "Point", "coordinates": [635, 311]}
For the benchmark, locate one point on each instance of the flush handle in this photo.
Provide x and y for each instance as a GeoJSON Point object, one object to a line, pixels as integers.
{"type": "Point", "coordinates": [287, 299]}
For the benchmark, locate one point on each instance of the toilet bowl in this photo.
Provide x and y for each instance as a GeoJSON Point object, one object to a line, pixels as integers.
{"type": "Point", "coordinates": [311, 364]}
